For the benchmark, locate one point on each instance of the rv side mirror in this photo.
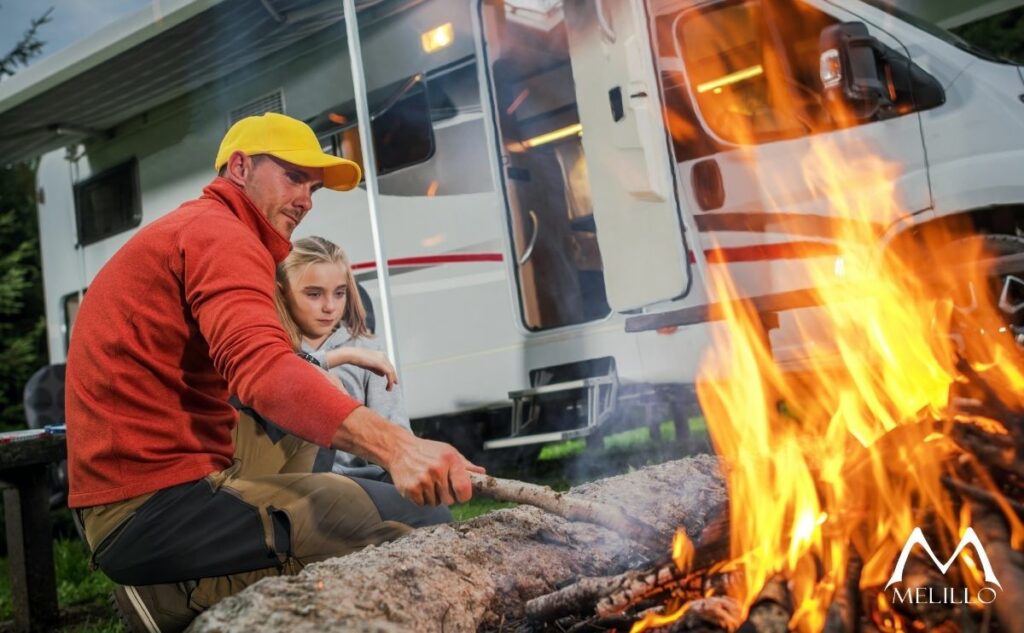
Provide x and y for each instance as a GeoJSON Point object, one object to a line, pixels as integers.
{"type": "Point", "coordinates": [850, 71]}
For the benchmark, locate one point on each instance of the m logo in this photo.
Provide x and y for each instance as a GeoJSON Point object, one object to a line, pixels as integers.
{"type": "Point", "coordinates": [969, 538]}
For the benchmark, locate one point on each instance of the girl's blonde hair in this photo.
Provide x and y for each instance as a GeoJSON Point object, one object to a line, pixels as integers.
{"type": "Point", "coordinates": [305, 253]}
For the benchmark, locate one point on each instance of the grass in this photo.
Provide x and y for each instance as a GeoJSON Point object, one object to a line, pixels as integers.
{"type": "Point", "coordinates": [82, 594]}
{"type": "Point", "coordinates": [633, 439]}
{"type": "Point", "coordinates": [477, 507]}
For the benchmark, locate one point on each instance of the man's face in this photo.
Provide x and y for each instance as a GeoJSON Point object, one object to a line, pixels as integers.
{"type": "Point", "coordinates": [282, 191]}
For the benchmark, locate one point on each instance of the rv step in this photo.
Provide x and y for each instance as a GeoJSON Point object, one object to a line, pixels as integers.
{"type": "Point", "coordinates": [539, 438]}
{"type": "Point", "coordinates": [599, 394]}
{"type": "Point", "coordinates": [560, 387]}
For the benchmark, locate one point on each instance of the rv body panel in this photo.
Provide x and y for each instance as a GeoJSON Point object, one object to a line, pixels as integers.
{"type": "Point", "coordinates": [976, 144]}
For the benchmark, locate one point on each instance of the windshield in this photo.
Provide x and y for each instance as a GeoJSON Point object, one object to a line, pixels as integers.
{"type": "Point", "coordinates": [937, 31]}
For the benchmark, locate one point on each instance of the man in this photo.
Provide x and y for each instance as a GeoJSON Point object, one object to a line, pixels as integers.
{"type": "Point", "coordinates": [178, 319]}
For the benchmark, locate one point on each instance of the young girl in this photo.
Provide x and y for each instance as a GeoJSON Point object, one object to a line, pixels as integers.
{"type": "Point", "coordinates": [319, 305]}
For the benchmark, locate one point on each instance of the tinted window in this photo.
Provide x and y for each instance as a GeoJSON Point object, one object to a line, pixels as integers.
{"type": "Point", "coordinates": [401, 121]}
{"type": "Point", "coordinates": [403, 134]}
{"type": "Point", "coordinates": [753, 69]}
{"type": "Point", "coordinates": [108, 203]}
{"type": "Point", "coordinates": [71, 303]}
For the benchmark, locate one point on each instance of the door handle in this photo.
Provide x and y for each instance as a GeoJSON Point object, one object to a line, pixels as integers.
{"type": "Point", "coordinates": [525, 257]}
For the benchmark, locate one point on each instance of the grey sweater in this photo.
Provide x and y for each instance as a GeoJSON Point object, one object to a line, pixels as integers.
{"type": "Point", "coordinates": [368, 388]}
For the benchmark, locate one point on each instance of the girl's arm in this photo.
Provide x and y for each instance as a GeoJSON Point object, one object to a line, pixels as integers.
{"type": "Point", "coordinates": [370, 359]}
{"type": "Point", "coordinates": [386, 401]}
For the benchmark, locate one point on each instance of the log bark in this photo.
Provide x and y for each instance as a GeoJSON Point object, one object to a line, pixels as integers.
{"type": "Point", "coordinates": [478, 574]}
{"type": "Point", "coordinates": [570, 507]}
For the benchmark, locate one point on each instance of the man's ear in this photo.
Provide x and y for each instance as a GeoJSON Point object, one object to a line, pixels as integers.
{"type": "Point", "coordinates": [238, 167]}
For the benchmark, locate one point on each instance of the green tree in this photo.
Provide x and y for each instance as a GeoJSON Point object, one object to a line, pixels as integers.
{"type": "Point", "coordinates": [22, 324]}
{"type": "Point", "coordinates": [26, 48]}
{"type": "Point", "coordinates": [1002, 34]}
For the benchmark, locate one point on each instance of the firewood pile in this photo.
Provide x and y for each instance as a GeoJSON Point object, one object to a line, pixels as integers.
{"type": "Point", "coordinates": [984, 477]}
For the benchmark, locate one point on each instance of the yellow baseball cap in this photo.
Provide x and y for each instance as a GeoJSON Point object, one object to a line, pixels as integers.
{"type": "Point", "coordinates": [290, 140]}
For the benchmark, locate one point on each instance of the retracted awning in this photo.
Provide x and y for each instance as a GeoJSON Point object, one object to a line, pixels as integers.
{"type": "Point", "coordinates": [145, 60]}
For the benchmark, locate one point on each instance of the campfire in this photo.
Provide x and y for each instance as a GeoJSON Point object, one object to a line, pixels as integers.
{"type": "Point", "coordinates": [876, 487]}
{"type": "Point", "coordinates": [909, 426]}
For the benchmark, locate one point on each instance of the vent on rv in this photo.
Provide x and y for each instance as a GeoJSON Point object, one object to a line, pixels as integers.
{"type": "Point", "coordinates": [273, 102]}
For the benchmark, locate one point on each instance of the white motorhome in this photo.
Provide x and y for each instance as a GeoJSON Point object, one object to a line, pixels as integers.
{"type": "Point", "coordinates": [551, 173]}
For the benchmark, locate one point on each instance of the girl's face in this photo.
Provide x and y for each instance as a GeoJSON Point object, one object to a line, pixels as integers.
{"type": "Point", "coordinates": [316, 299]}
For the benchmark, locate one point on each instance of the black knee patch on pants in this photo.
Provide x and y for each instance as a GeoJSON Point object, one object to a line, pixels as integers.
{"type": "Point", "coordinates": [185, 532]}
{"type": "Point", "coordinates": [282, 525]}
{"type": "Point", "coordinates": [393, 507]}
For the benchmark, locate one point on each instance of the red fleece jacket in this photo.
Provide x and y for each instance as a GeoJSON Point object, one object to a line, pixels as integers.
{"type": "Point", "coordinates": [179, 318]}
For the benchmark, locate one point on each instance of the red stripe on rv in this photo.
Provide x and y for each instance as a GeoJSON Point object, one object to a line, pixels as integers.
{"type": "Point", "coordinates": [433, 260]}
{"type": "Point", "coordinates": [767, 252]}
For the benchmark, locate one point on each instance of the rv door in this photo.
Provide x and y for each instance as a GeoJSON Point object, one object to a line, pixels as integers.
{"type": "Point", "coordinates": [639, 228]}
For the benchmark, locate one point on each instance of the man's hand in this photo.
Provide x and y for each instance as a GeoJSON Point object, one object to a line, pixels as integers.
{"type": "Point", "coordinates": [424, 471]}
{"type": "Point", "coordinates": [432, 473]}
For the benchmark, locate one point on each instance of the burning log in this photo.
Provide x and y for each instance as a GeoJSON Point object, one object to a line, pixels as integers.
{"type": "Point", "coordinates": [612, 595]}
{"type": "Point", "coordinates": [607, 595]}
{"type": "Point", "coordinates": [772, 610]}
{"type": "Point", "coordinates": [476, 574]}
{"type": "Point", "coordinates": [844, 614]}
{"type": "Point", "coordinates": [1008, 565]}
{"type": "Point", "coordinates": [981, 495]}
{"type": "Point", "coordinates": [571, 508]}
{"type": "Point", "coordinates": [716, 612]}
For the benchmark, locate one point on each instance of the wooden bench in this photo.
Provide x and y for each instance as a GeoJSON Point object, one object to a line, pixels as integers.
{"type": "Point", "coordinates": [26, 491]}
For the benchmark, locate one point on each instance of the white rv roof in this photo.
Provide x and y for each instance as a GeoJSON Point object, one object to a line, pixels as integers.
{"type": "Point", "coordinates": [147, 59]}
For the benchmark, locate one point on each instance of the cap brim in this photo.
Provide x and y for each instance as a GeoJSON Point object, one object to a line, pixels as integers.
{"type": "Point", "coordinates": [340, 174]}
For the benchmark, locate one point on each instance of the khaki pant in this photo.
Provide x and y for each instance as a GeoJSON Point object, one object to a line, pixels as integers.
{"type": "Point", "coordinates": [327, 515]}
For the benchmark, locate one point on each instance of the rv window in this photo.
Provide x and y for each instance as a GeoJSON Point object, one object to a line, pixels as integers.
{"type": "Point", "coordinates": [402, 131]}
{"type": "Point", "coordinates": [70, 302]}
{"type": "Point", "coordinates": [108, 203]}
{"type": "Point", "coordinates": [753, 68]}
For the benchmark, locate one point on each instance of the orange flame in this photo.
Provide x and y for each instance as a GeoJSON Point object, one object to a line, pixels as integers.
{"type": "Point", "coordinates": [811, 454]}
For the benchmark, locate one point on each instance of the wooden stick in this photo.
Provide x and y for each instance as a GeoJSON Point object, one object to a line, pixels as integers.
{"type": "Point", "coordinates": [571, 508]}
{"type": "Point", "coordinates": [982, 495]}
{"type": "Point", "coordinates": [607, 595]}
{"type": "Point", "coordinates": [579, 597]}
